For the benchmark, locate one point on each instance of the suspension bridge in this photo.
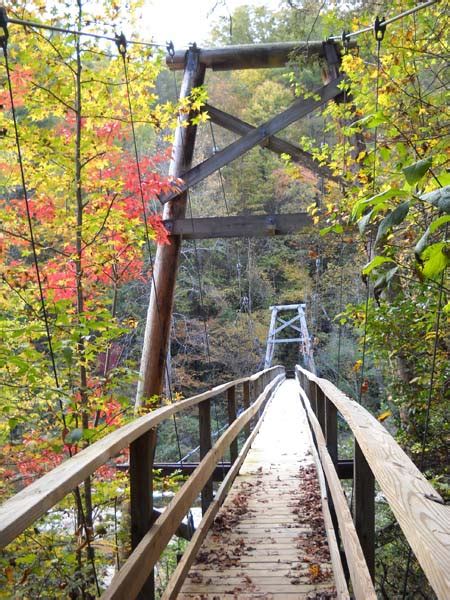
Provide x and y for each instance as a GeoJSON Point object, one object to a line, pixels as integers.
{"type": "Point", "coordinates": [278, 526]}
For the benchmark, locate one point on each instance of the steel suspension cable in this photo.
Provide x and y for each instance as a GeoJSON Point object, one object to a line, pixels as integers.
{"type": "Point", "coordinates": [379, 31]}
{"type": "Point", "coordinates": [78, 33]}
{"type": "Point", "coordinates": [384, 22]}
{"type": "Point", "coordinates": [122, 48]}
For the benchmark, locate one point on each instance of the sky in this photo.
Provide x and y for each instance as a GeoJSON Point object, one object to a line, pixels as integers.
{"type": "Point", "coordinates": [185, 21]}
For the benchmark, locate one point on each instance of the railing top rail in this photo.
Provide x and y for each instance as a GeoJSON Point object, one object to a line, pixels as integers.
{"type": "Point", "coordinates": [418, 508]}
{"type": "Point", "coordinates": [20, 511]}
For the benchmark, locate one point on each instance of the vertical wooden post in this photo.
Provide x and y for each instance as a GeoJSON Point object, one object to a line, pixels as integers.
{"type": "Point", "coordinates": [231, 402]}
{"type": "Point", "coordinates": [320, 405]}
{"type": "Point", "coordinates": [311, 393]}
{"type": "Point", "coordinates": [204, 420]}
{"type": "Point", "coordinates": [364, 507]}
{"type": "Point", "coordinates": [246, 403]}
{"type": "Point", "coordinates": [142, 453]}
{"type": "Point", "coordinates": [331, 430]}
{"type": "Point", "coordinates": [159, 314]}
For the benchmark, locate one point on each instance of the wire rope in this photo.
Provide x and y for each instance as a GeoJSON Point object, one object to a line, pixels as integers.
{"type": "Point", "coordinates": [78, 33]}
{"type": "Point", "coordinates": [121, 43]}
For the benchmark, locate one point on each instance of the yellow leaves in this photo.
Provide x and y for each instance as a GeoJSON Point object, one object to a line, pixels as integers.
{"type": "Point", "coordinates": [363, 177]}
{"type": "Point", "coordinates": [352, 64]}
{"type": "Point", "coordinates": [357, 366]}
{"type": "Point", "coordinates": [361, 156]}
{"type": "Point", "coordinates": [384, 415]}
{"type": "Point", "coordinates": [315, 572]}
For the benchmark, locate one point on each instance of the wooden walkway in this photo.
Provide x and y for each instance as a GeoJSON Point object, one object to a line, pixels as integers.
{"type": "Point", "coordinates": [268, 540]}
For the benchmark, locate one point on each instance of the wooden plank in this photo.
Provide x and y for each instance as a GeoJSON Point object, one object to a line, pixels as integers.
{"type": "Point", "coordinates": [162, 282]}
{"type": "Point", "coordinates": [296, 111]}
{"type": "Point", "coordinates": [361, 581]}
{"type": "Point", "coordinates": [261, 553]}
{"type": "Point", "coordinates": [418, 508]}
{"type": "Point", "coordinates": [238, 226]}
{"type": "Point", "coordinates": [20, 511]}
{"type": "Point", "coordinates": [364, 507]}
{"type": "Point", "coordinates": [204, 422]}
{"type": "Point", "coordinates": [179, 575]}
{"type": "Point", "coordinates": [128, 581]}
{"type": "Point", "coordinates": [142, 454]}
{"type": "Point", "coordinates": [276, 144]}
{"type": "Point", "coordinates": [251, 56]}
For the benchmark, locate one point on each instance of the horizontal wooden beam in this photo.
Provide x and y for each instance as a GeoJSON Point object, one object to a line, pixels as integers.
{"type": "Point", "coordinates": [251, 56]}
{"type": "Point", "coordinates": [166, 469]}
{"type": "Point", "coordinates": [238, 226]}
{"type": "Point", "coordinates": [276, 144]}
{"type": "Point", "coordinates": [296, 111]}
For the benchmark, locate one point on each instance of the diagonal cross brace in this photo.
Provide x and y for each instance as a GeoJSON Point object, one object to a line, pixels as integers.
{"type": "Point", "coordinates": [296, 111]}
{"type": "Point", "coordinates": [276, 144]}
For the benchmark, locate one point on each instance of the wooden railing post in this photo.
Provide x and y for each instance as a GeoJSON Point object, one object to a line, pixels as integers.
{"type": "Point", "coordinates": [311, 393]}
{"type": "Point", "coordinates": [253, 396]}
{"type": "Point", "coordinates": [142, 454]}
{"type": "Point", "coordinates": [319, 398]}
{"type": "Point", "coordinates": [231, 402]}
{"type": "Point", "coordinates": [204, 419]}
{"type": "Point", "coordinates": [246, 402]}
{"type": "Point", "coordinates": [364, 507]}
{"type": "Point", "coordinates": [331, 430]}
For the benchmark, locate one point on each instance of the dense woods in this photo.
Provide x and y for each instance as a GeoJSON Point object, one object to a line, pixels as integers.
{"type": "Point", "coordinates": [80, 223]}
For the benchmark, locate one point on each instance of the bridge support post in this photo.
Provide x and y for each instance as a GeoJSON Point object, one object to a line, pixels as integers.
{"type": "Point", "coordinates": [204, 420]}
{"type": "Point", "coordinates": [231, 403]}
{"type": "Point", "coordinates": [159, 314]}
{"type": "Point", "coordinates": [246, 403]}
{"type": "Point", "coordinates": [320, 406]}
{"type": "Point", "coordinates": [331, 430]}
{"type": "Point", "coordinates": [364, 507]}
{"type": "Point", "coordinates": [142, 453]}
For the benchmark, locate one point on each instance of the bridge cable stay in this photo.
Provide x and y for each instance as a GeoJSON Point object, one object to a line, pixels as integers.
{"type": "Point", "coordinates": [200, 279]}
{"type": "Point", "coordinates": [341, 275]}
{"type": "Point", "coordinates": [4, 35]}
{"type": "Point", "coordinates": [243, 300]}
{"type": "Point", "coordinates": [78, 33]}
{"type": "Point", "coordinates": [430, 389]}
{"type": "Point", "coordinates": [379, 30]}
{"type": "Point", "coordinates": [121, 43]}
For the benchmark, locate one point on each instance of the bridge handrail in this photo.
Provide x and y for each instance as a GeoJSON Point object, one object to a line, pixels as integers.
{"type": "Point", "coordinates": [28, 505]}
{"type": "Point", "coordinates": [418, 508]}
{"type": "Point", "coordinates": [127, 582]}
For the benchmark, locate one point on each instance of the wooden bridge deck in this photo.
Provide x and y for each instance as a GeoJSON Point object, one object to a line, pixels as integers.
{"type": "Point", "coordinates": [268, 541]}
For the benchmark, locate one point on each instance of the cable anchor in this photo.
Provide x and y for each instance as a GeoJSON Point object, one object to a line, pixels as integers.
{"type": "Point", "coordinates": [379, 28]}
{"type": "Point", "coordinates": [170, 49]}
{"type": "Point", "coordinates": [4, 34]}
{"type": "Point", "coordinates": [345, 40]}
{"type": "Point", "coordinates": [121, 43]}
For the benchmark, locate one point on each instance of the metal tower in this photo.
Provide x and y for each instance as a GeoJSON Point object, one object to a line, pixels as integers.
{"type": "Point", "coordinates": [283, 323]}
